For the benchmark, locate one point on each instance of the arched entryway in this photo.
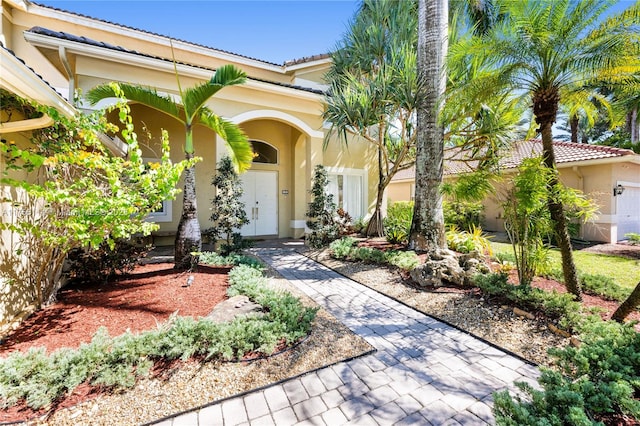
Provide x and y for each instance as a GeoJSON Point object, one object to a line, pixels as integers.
{"type": "Point", "coordinates": [276, 187]}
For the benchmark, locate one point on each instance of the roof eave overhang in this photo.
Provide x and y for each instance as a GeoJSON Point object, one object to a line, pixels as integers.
{"type": "Point", "coordinates": [311, 64]}
{"type": "Point", "coordinates": [20, 80]}
{"type": "Point", "coordinates": [44, 11]}
{"type": "Point", "coordinates": [47, 42]}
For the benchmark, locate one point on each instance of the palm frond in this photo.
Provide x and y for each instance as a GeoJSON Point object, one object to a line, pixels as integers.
{"type": "Point", "coordinates": [228, 75]}
{"type": "Point", "coordinates": [240, 149]}
{"type": "Point", "coordinates": [195, 97]}
{"type": "Point", "coordinates": [144, 95]}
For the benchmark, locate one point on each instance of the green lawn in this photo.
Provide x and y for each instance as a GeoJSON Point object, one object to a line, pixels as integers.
{"type": "Point", "coordinates": [626, 272]}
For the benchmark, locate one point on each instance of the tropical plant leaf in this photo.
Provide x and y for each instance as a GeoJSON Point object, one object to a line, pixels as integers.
{"type": "Point", "coordinates": [240, 149]}
{"type": "Point", "coordinates": [144, 95]}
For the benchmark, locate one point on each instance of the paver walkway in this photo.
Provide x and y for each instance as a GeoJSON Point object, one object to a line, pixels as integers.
{"type": "Point", "coordinates": [424, 372]}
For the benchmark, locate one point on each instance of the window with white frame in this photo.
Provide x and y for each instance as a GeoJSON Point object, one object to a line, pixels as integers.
{"type": "Point", "coordinates": [348, 189]}
{"type": "Point", "coordinates": [164, 212]}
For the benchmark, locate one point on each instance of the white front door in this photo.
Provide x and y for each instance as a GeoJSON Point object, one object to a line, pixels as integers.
{"type": "Point", "coordinates": [628, 209]}
{"type": "Point", "coordinates": [260, 199]}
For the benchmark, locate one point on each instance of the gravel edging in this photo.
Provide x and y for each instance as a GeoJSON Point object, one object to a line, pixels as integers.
{"type": "Point", "coordinates": [194, 385]}
{"type": "Point", "coordinates": [498, 325]}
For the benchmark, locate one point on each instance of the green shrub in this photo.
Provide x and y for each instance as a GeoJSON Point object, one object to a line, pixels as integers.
{"type": "Point", "coordinates": [321, 212]}
{"type": "Point", "coordinates": [406, 260]}
{"type": "Point", "coordinates": [462, 214]}
{"type": "Point", "coordinates": [586, 384]}
{"type": "Point", "coordinates": [633, 238]}
{"type": "Point", "coordinates": [596, 284]}
{"type": "Point", "coordinates": [103, 263]}
{"type": "Point", "coordinates": [228, 212]}
{"type": "Point", "coordinates": [345, 248]}
{"type": "Point", "coordinates": [116, 362]}
{"type": "Point", "coordinates": [234, 259]}
{"type": "Point", "coordinates": [397, 224]}
{"type": "Point", "coordinates": [602, 285]}
{"type": "Point", "coordinates": [468, 241]}
{"type": "Point", "coordinates": [557, 306]}
{"type": "Point", "coordinates": [341, 249]}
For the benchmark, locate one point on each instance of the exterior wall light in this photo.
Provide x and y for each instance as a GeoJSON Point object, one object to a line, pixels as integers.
{"type": "Point", "coordinates": [618, 190]}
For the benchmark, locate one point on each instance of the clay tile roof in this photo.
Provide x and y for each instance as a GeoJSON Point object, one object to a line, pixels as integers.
{"type": "Point", "coordinates": [155, 34]}
{"type": "Point", "coordinates": [307, 59]}
{"type": "Point", "coordinates": [566, 152]}
{"type": "Point", "coordinates": [90, 42]}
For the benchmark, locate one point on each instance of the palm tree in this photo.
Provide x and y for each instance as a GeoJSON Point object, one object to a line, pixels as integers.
{"type": "Point", "coordinates": [542, 49]}
{"type": "Point", "coordinates": [192, 110]}
{"type": "Point", "coordinates": [427, 227]}
{"type": "Point", "coordinates": [373, 89]}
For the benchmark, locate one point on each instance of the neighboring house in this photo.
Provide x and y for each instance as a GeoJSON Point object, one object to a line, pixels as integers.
{"type": "Point", "coordinates": [610, 176]}
{"type": "Point", "coordinates": [279, 108]}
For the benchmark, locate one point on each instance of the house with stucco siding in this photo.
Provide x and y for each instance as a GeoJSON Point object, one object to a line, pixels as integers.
{"type": "Point", "coordinates": [49, 54]}
{"type": "Point", "coordinates": [609, 176]}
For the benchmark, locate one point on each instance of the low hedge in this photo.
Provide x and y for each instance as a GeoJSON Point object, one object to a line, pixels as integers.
{"type": "Point", "coordinates": [115, 362]}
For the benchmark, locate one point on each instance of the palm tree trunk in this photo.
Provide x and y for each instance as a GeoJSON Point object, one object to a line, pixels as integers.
{"type": "Point", "coordinates": [188, 236]}
{"type": "Point", "coordinates": [632, 125]}
{"type": "Point", "coordinates": [573, 123]}
{"type": "Point", "coordinates": [558, 217]}
{"type": "Point", "coordinates": [632, 302]}
{"type": "Point", "coordinates": [427, 227]}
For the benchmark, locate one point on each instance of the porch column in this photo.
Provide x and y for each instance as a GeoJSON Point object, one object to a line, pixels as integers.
{"type": "Point", "coordinates": [307, 154]}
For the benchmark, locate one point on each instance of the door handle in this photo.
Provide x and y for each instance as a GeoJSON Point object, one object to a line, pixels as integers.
{"type": "Point", "coordinates": [257, 214]}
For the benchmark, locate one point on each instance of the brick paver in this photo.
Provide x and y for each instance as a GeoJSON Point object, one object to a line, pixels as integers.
{"type": "Point", "coordinates": [423, 372]}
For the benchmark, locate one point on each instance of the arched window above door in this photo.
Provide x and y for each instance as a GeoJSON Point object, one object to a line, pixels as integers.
{"type": "Point", "coordinates": [264, 152]}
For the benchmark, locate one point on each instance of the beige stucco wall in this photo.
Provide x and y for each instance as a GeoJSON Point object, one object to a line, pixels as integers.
{"type": "Point", "coordinates": [15, 297]}
{"type": "Point", "coordinates": [399, 191]}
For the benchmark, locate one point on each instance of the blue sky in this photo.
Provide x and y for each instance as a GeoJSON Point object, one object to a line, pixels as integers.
{"type": "Point", "coordinates": [270, 30]}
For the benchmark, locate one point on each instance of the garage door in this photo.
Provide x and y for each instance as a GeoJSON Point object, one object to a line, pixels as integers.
{"type": "Point", "coordinates": [628, 208]}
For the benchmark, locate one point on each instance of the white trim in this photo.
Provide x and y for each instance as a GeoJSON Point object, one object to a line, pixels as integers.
{"type": "Point", "coordinates": [166, 215]}
{"type": "Point", "coordinates": [25, 125]}
{"type": "Point", "coordinates": [298, 224]}
{"type": "Point", "coordinates": [365, 183]}
{"type": "Point", "coordinates": [626, 183]}
{"type": "Point", "coordinates": [277, 163]}
{"type": "Point", "coordinates": [303, 82]}
{"type": "Point", "coordinates": [280, 116]}
{"type": "Point", "coordinates": [308, 64]}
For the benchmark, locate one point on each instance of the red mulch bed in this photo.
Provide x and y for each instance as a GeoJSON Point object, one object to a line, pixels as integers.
{"type": "Point", "coordinates": [136, 302]}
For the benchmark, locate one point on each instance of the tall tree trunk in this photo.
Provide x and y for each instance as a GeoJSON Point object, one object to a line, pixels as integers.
{"type": "Point", "coordinates": [556, 209]}
{"type": "Point", "coordinates": [375, 227]}
{"type": "Point", "coordinates": [188, 236]}
{"type": "Point", "coordinates": [632, 125]}
{"type": "Point", "coordinates": [427, 228]}
{"type": "Point", "coordinates": [573, 123]}
{"type": "Point", "coordinates": [632, 302]}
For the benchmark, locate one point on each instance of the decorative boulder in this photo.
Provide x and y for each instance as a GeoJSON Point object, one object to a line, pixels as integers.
{"type": "Point", "coordinates": [440, 269]}
{"type": "Point", "coordinates": [446, 267]}
{"type": "Point", "coordinates": [234, 307]}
